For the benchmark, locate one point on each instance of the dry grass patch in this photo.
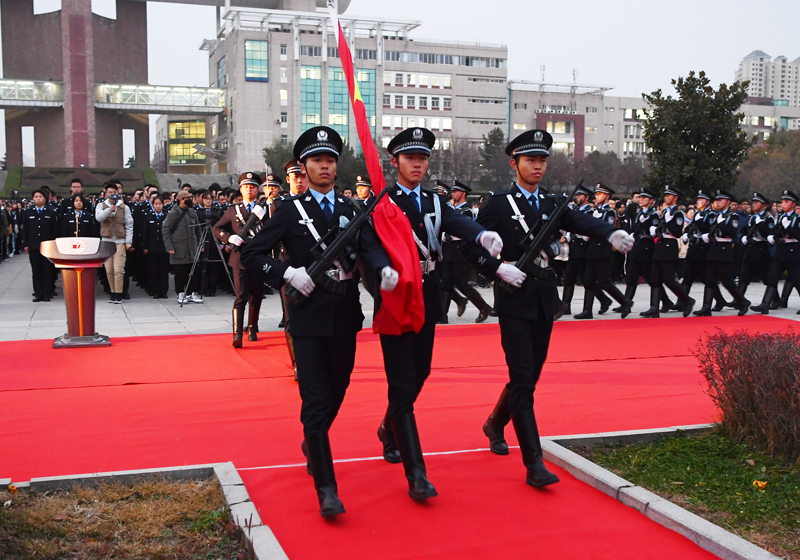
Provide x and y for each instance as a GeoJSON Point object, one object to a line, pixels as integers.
{"type": "Point", "coordinates": [157, 519]}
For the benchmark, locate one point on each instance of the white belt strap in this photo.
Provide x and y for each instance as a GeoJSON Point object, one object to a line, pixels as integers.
{"type": "Point", "coordinates": [517, 214]}
{"type": "Point", "coordinates": [306, 221]}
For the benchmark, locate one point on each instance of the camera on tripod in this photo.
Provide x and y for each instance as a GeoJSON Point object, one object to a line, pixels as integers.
{"type": "Point", "coordinates": [115, 198]}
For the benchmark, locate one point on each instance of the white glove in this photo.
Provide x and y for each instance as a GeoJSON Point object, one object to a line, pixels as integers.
{"type": "Point", "coordinates": [685, 238]}
{"type": "Point", "coordinates": [510, 274]}
{"type": "Point", "coordinates": [492, 242]}
{"type": "Point", "coordinates": [389, 279]}
{"type": "Point", "coordinates": [744, 240]}
{"type": "Point", "coordinates": [653, 231]}
{"type": "Point", "coordinates": [771, 239]}
{"type": "Point", "coordinates": [299, 278]}
{"type": "Point", "coordinates": [259, 211]}
{"type": "Point", "coordinates": [235, 240]}
{"type": "Point", "coordinates": [705, 238]}
{"type": "Point", "coordinates": [621, 241]}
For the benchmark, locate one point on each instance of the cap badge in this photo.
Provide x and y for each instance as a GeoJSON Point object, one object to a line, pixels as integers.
{"type": "Point", "coordinates": [538, 136]}
{"type": "Point", "coordinates": [417, 134]}
{"type": "Point", "coordinates": [322, 136]}
{"type": "Point", "coordinates": [249, 175]}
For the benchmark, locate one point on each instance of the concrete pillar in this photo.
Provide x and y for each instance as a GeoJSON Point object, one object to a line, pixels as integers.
{"type": "Point", "coordinates": [78, 62]}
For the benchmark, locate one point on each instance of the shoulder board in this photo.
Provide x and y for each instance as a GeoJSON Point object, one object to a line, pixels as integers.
{"type": "Point", "coordinates": [500, 193]}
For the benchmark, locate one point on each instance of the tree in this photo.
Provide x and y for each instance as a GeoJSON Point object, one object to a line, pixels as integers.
{"type": "Point", "coordinates": [131, 162]}
{"type": "Point", "coordinates": [496, 170]}
{"type": "Point", "coordinates": [276, 156]}
{"type": "Point", "coordinates": [348, 168]}
{"type": "Point", "coordinates": [695, 140]}
{"type": "Point", "coordinates": [561, 172]}
{"type": "Point", "coordinates": [772, 166]}
{"type": "Point", "coordinates": [463, 161]}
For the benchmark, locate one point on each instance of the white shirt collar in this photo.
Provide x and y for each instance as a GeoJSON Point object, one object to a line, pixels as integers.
{"type": "Point", "coordinates": [408, 191]}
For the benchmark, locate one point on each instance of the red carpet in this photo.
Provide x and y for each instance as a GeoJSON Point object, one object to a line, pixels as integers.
{"type": "Point", "coordinates": [164, 401]}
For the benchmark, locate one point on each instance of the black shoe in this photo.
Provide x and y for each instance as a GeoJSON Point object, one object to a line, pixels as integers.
{"type": "Point", "coordinates": [37, 299]}
{"type": "Point", "coordinates": [237, 340]}
{"type": "Point", "coordinates": [462, 307]}
{"type": "Point", "coordinates": [538, 475]}
{"type": "Point", "coordinates": [584, 315]}
{"type": "Point", "coordinates": [651, 313]}
{"type": "Point", "coordinates": [678, 306]}
{"type": "Point", "coordinates": [497, 440]}
{"type": "Point", "coordinates": [688, 306]}
{"type": "Point", "coordinates": [390, 452]}
{"type": "Point", "coordinates": [626, 309]}
{"type": "Point", "coordinates": [562, 310]}
{"type": "Point", "coordinates": [603, 308]}
{"type": "Point", "coordinates": [282, 324]}
{"type": "Point", "coordinates": [443, 321]}
{"type": "Point", "coordinates": [528, 435]}
{"type": "Point", "coordinates": [732, 304]}
{"type": "Point", "coordinates": [406, 435]}
{"type": "Point", "coordinates": [743, 308]}
{"type": "Point", "coordinates": [319, 454]}
{"type": "Point", "coordinates": [126, 296]}
{"type": "Point", "coordinates": [704, 311]}
{"type": "Point", "coordinates": [252, 334]}
{"type": "Point", "coordinates": [617, 309]}
{"type": "Point", "coordinates": [268, 291]}
{"type": "Point", "coordinates": [485, 313]}
{"type": "Point", "coordinates": [719, 306]}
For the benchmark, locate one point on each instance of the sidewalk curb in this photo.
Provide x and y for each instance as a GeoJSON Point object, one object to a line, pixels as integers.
{"type": "Point", "coordinates": [705, 534]}
{"type": "Point", "coordinates": [243, 511]}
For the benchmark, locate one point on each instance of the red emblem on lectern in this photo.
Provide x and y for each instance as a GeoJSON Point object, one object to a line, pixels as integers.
{"type": "Point", "coordinates": [78, 247]}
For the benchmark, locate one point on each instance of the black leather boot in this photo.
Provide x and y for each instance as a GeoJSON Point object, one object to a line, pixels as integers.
{"type": "Point", "coordinates": [319, 455]}
{"type": "Point", "coordinates": [531, 447]}
{"type": "Point", "coordinates": [304, 449]}
{"type": "Point", "coordinates": [290, 347]}
{"type": "Point", "coordinates": [566, 299]}
{"type": "Point", "coordinates": [238, 327]}
{"type": "Point", "coordinates": [769, 295]}
{"type": "Point", "coordinates": [743, 287]}
{"type": "Point", "coordinates": [255, 310]}
{"type": "Point", "coordinates": [588, 301]}
{"type": "Point", "coordinates": [461, 302]}
{"type": "Point", "coordinates": [720, 301]}
{"type": "Point", "coordinates": [446, 297]}
{"type": "Point", "coordinates": [786, 291]}
{"type": "Point", "coordinates": [708, 299]}
{"type": "Point", "coordinates": [625, 302]}
{"type": "Point", "coordinates": [666, 303]}
{"type": "Point", "coordinates": [495, 424]}
{"type": "Point", "coordinates": [407, 437]}
{"type": "Point", "coordinates": [385, 434]}
{"type": "Point", "coordinates": [655, 295]}
{"type": "Point", "coordinates": [630, 291]}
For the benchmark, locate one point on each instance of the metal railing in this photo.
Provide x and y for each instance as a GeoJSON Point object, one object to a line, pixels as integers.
{"type": "Point", "coordinates": [159, 99]}
{"type": "Point", "coordinates": [22, 93]}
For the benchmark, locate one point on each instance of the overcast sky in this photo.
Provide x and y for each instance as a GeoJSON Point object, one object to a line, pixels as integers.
{"type": "Point", "coordinates": [631, 46]}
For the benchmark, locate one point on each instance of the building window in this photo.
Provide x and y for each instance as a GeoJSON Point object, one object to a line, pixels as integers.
{"type": "Point", "coordinates": [591, 129]}
{"type": "Point", "coordinates": [422, 122]}
{"type": "Point", "coordinates": [387, 121]}
{"type": "Point", "coordinates": [520, 126]}
{"type": "Point", "coordinates": [338, 102]}
{"type": "Point", "coordinates": [411, 102]}
{"type": "Point", "coordinates": [435, 103]}
{"type": "Point", "coordinates": [366, 54]}
{"type": "Point", "coordinates": [446, 81]}
{"type": "Point", "coordinates": [256, 61]}
{"type": "Point", "coordinates": [387, 78]}
{"type": "Point", "coordinates": [284, 117]}
{"type": "Point", "coordinates": [310, 97]}
{"type": "Point", "coordinates": [423, 81]}
{"type": "Point", "coordinates": [447, 124]}
{"type": "Point", "coordinates": [447, 103]}
{"type": "Point", "coordinates": [333, 52]}
{"type": "Point", "coordinates": [187, 130]}
{"type": "Point", "coordinates": [309, 50]}
{"type": "Point", "coordinates": [521, 106]}
{"type": "Point", "coordinates": [284, 97]}
{"type": "Point", "coordinates": [222, 73]}
{"type": "Point", "coordinates": [185, 153]}
{"type": "Point", "coordinates": [412, 122]}
{"type": "Point", "coordinates": [423, 102]}
{"type": "Point", "coordinates": [387, 100]}
{"type": "Point", "coordinates": [398, 122]}
{"type": "Point", "coordinates": [398, 101]}
{"type": "Point", "coordinates": [398, 79]}
{"type": "Point", "coordinates": [435, 124]}
{"type": "Point", "coordinates": [283, 50]}
{"type": "Point", "coordinates": [435, 81]}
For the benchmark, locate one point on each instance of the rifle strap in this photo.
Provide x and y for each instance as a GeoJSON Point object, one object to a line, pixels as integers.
{"type": "Point", "coordinates": [309, 223]}
{"type": "Point", "coordinates": [519, 216]}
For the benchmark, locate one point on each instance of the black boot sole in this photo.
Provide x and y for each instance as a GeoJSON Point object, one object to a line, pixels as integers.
{"type": "Point", "coordinates": [496, 450]}
{"type": "Point", "coordinates": [392, 455]}
{"type": "Point", "coordinates": [542, 483]}
{"type": "Point", "coordinates": [423, 496]}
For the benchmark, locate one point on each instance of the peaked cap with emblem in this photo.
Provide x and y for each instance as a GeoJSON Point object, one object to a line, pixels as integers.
{"type": "Point", "coordinates": [459, 186]}
{"type": "Point", "coordinates": [584, 190]}
{"type": "Point", "coordinates": [760, 198]}
{"type": "Point", "coordinates": [703, 194]}
{"type": "Point", "coordinates": [250, 178]}
{"type": "Point", "coordinates": [543, 190]}
{"type": "Point", "coordinates": [292, 166]}
{"type": "Point", "coordinates": [601, 188]}
{"type": "Point", "coordinates": [412, 141]}
{"type": "Point", "coordinates": [789, 195]}
{"type": "Point", "coordinates": [723, 194]}
{"type": "Point", "coordinates": [271, 181]}
{"type": "Point", "coordinates": [442, 188]}
{"type": "Point", "coordinates": [363, 181]}
{"type": "Point", "coordinates": [647, 193]}
{"type": "Point", "coordinates": [672, 191]}
{"type": "Point", "coordinates": [318, 140]}
{"type": "Point", "coordinates": [530, 143]}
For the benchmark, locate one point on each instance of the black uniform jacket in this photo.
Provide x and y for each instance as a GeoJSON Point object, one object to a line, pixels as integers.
{"type": "Point", "coordinates": [324, 314]}
{"type": "Point", "coordinates": [702, 223]}
{"type": "Point", "coordinates": [230, 224]}
{"type": "Point", "coordinates": [788, 229]}
{"type": "Point", "coordinates": [152, 234]}
{"type": "Point", "coordinates": [38, 226]}
{"type": "Point", "coordinates": [670, 229]}
{"type": "Point", "coordinates": [535, 295]}
{"type": "Point", "coordinates": [600, 249]}
{"type": "Point", "coordinates": [725, 227]}
{"type": "Point", "coordinates": [578, 246]}
{"type": "Point", "coordinates": [759, 226]}
{"type": "Point", "coordinates": [644, 244]}
{"type": "Point", "coordinates": [452, 245]}
{"type": "Point", "coordinates": [453, 223]}
{"type": "Point", "coordinates": [72, 225]}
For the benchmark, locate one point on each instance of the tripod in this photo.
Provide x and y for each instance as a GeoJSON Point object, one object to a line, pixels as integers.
{"type": "Point", "coordinates": [205, 260]}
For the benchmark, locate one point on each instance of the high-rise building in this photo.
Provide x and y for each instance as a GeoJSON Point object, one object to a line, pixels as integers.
{"type": "Point", "coordinates": [777, 80]}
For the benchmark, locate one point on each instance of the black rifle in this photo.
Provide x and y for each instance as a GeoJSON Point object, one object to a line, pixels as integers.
{"type": "Point", "coordinates": [326, 252]}
{"type": "Point", "coordinates": [247, 228]}
{"type": "Point", "coordinates": [538, 239]}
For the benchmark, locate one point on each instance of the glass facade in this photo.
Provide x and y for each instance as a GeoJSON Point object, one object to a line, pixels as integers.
{"type": "Point", "coordinates": [310, 97]}
{"type": "Point", "coordinates": [182, 138]}
{"type": "Point", "coordinates": [366, 84]}
{"type": "Point", "coordinates": [338, 102]}
{"type": "Point", "coordinates": [256, 61]}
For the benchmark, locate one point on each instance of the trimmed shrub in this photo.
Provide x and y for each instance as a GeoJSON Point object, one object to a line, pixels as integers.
{"type": "Point", "coordinates": [754, 379]}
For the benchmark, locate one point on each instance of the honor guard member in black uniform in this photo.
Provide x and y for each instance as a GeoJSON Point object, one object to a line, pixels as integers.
{"type": "Point", "coordinates": [40, 223]}
{"type": "Point", "coordinates": [249, 285]}
{"type": "Point", "coordinates": [720, 261]}
{"type": "Point", "coordinates": [698, 250]}
{"type": "Point", "coordinates": [526, 316]}
{"type": "Point", "coordinates": [364, 193]}
{"type": "Point", "coordinates": [665, 255]}
{"type": "Point", "coordinates": [757, 258]}
{"type": "Point", "coordinates": [324, 327]}
{"type": "Point", "coordinates": [639, 261]}
{"type": "Point", "coordinates": [599, 259]}
{"type": "Point", "coordinates": [407, 357]}
{"type": "Point", "coordinates": [455, 269]}
{"type": "Point", "coordinates": [786, 237]}
{"type": "Point", "coordinates": [442, 189]}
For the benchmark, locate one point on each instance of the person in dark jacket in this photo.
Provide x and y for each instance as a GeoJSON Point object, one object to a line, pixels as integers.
{"type": "Point", "coordinates": [40, 224]}
{"type": "Point", "coordinates": [182, 238]}
{"type": "Point", "coordinates": [77, 218]}
{"type": "Point", "coordinates": [155, 251]}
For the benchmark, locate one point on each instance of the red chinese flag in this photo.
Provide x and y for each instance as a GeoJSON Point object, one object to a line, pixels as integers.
{"type": "Point", "coordinates": [402, 309]}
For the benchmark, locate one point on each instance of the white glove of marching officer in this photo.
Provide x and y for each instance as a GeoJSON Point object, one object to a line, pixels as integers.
{"type": "Point", "coordinates": [299, 278]}
{"type": "Point", "coordinates": [685, 238]}
{"type": "Point", "coordinates": [259, 211]}
{"type": "Point", "coordinates": [510, 274]}
{"type": "Point", "coordinates": [653, 231]}
{"type": "Point", "coordinates": [621, 241]}
{"type": "Point", "coordinates": [492, 242]}
{"type": "Point", "coordinates": [705, 237]}
{"type": "Point", "coordinates": [235, 240]}
{"type": "Point", "coordinates": [744, 240]}
{"type": "Point", "coordinates": [389, 279]}
{"type": "Point", "coordinates": [771, 239]}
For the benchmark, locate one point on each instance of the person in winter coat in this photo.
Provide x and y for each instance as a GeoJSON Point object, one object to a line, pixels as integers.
{"type": "Point", "coordinates": [181, 233]}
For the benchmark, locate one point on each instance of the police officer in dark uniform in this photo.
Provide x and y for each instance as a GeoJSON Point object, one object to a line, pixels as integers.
{"type": "Point", "coordinates": [756, 259]}
{"type": "Point", "coordinates": [665, 255]}
{"type": "Point", "coordinates": [786, 238]}
{"type": "Point", "coordinates": [324, 327]}
{"type": "Point", "coordinates": [230, 229]}
{"type": "Point", "coordinates": [455, 269]}
{"type": "Point", "coordinates": [407, 357]}
{"type": "Point", "coordinates": [40, 221]}
{"type": "Point", "coordinates": [697, 252]}
{"type": "Point", "coordinates": [578, 251]}
{"type": "Point", "coordinates": [599, 259]}
{"type": "Point", "coordinates": [77, 218]}
{"type": "Point", "coordinates": [639, 261]}
{"type": "Point", "coordinates": [155, 251]}
{"type": "Point", "coordinates": [526, 316]}
{"type": "Point", "coordinates": [720, 260]}
{"type": "Point", "coordinates": [364, 193]}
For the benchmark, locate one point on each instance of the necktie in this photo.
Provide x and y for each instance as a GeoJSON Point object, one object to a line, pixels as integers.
{"type": "Point", "coordinates": [534, 202]}
{"type": "Point", "coordinates": [250, 207]}
{"type": "Point", "coordinates": [327, 209]}
{"type": "Point", "coordinates": [415, 200]}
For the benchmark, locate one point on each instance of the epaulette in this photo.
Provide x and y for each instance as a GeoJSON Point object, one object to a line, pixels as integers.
{"type": "Point", "coordinates": [500, 193]}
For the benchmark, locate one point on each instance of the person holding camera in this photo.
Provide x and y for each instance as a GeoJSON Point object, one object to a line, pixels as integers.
{"type": "Point", "coordinates": [116, 225]}
{"type": "Point", "coordinates": [209, 214]}
{"type": "Point", "coordinates": [181, 239]}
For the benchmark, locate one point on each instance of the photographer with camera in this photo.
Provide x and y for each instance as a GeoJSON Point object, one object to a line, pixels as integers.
{"type": "Point", "coordinates": [208, 215]}
{"type": "Point", "coordinates": [116, 225]}
{"type": "Point", "coordinates": [181, 238]}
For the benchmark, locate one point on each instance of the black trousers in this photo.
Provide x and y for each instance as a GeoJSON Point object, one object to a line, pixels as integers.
{"type": "Point", "coordinates": [574, 271]}
{"type": "Point", "coordinates": [665, 272]}
{"type": "Point", "coordinates": [754, 271]}
{"type": "Point", "coordinates": [407, 361]}
{"type": "Point", "coordinates": [182, 276]}
{"type": "Point", "coordinates": [324, 365]}
{"type": "Point", "coordinates": [598, 275]}
{"type": "Point", "coordinates": [694, 270]}
{"type": "Point", "coordinates": [158, 267]}
{"type": "Point", "coordinates": [249, 289]}
{"type": "Point", "coordinates": [456, 275]}
{"type": "Point", "coordinates": [776, 272]}
{"type": "Point", "coordinates": [525, 344]}
{"type": "Point", "coordinates": [635, 270]}
{"type": "Point", "coordinates": [723, 272]}
{"type": "Point", "coordinates": [43, 273]}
